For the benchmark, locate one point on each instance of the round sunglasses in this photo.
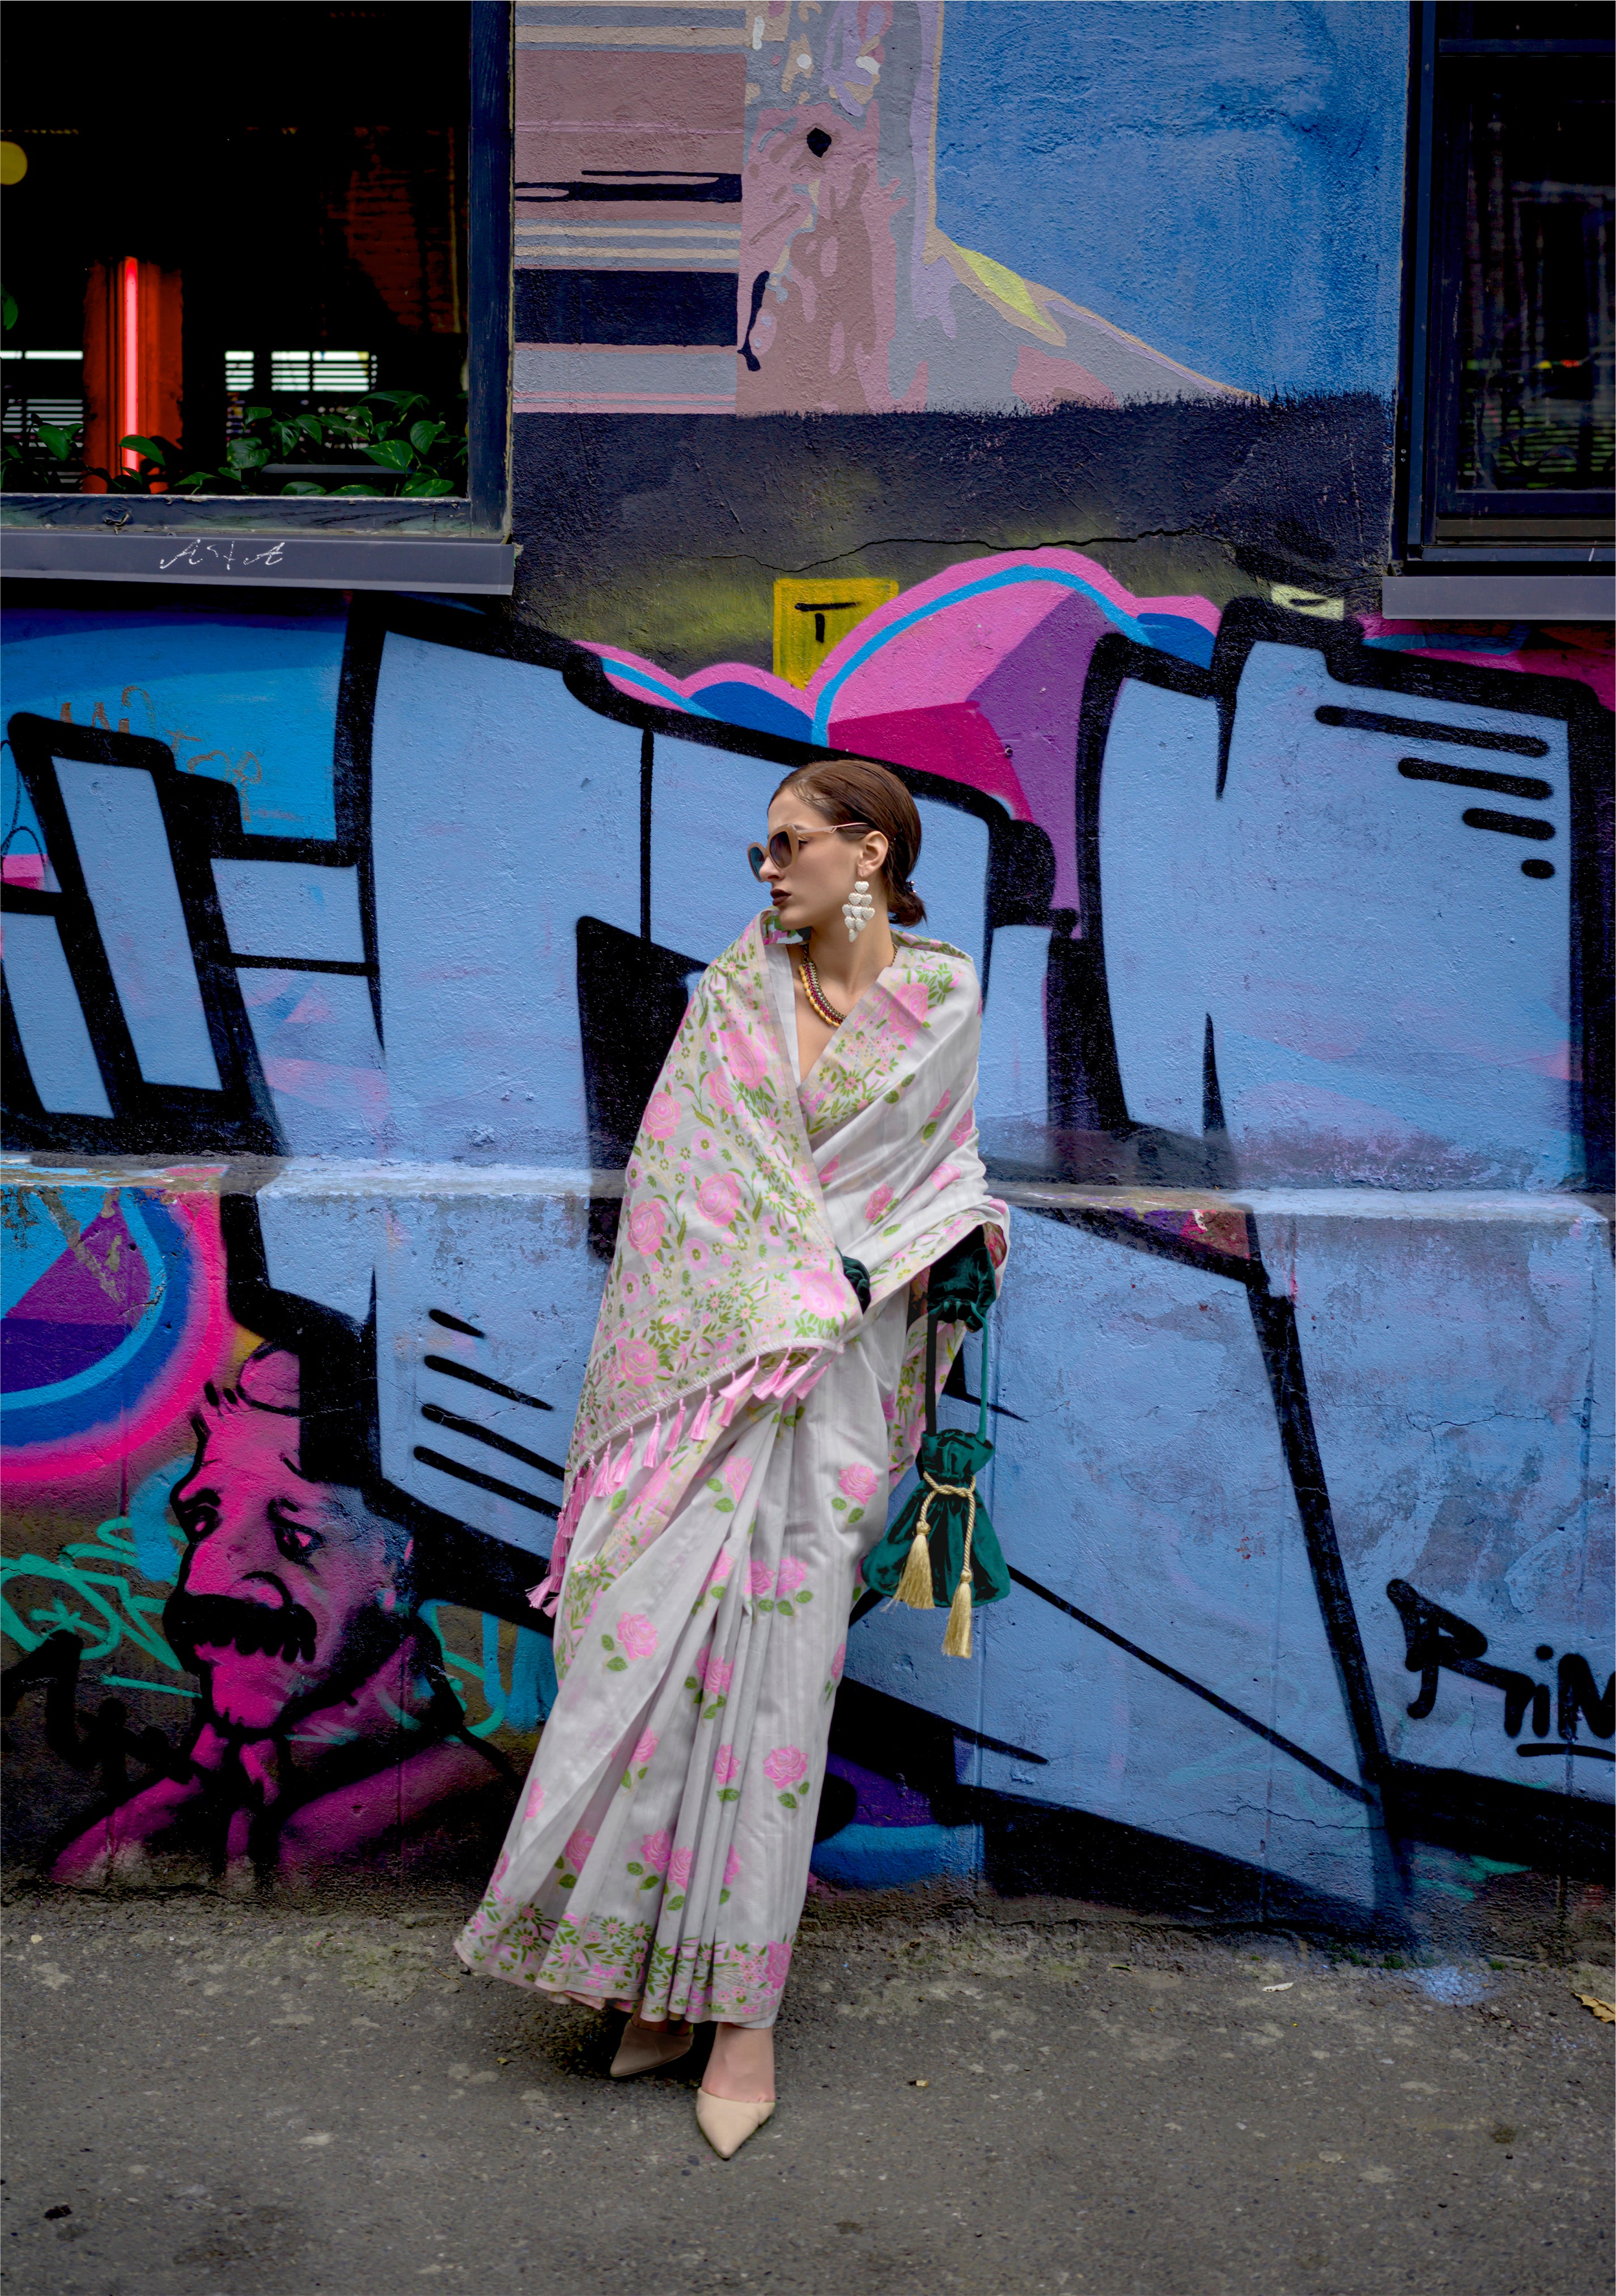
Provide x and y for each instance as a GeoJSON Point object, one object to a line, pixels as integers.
{"type": "Point", "coordinates": [783, 845]}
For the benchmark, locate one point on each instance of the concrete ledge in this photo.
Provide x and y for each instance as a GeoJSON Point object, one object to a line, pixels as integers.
{"type": "Point", "coordinates": [1460, 597]}
{"type": "Point", "coordinates": [327, 1176]}
{"type": "Point", "coordinates": [303, 561]}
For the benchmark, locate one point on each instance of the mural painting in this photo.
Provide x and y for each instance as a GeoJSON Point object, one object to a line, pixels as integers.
{"type": "Point", "coordinates": [321, 1076]}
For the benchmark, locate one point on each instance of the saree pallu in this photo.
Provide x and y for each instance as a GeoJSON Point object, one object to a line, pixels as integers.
{"type": "Point", "coordinates": [742, 1423]}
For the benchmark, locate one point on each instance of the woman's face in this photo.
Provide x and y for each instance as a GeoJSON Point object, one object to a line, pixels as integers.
{"type": "Point", "coordinates": [809, 893]}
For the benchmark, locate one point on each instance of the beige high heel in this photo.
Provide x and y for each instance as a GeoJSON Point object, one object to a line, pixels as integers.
{"type": "Point", "coordinates": [643, 2047]}
{"type": "Point", "coordinates": [726, 2121]}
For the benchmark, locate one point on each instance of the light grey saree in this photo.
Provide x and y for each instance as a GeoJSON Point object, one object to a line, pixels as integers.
{"type": "Point", "coordinates": [742, 1424]}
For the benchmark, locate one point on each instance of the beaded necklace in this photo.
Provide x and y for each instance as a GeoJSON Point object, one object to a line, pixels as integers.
{"type": "Point", "coordinates": [819, 1003]}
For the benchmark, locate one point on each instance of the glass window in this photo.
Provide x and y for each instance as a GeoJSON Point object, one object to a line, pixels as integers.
{"type": "Point", "coordinates": [238, 234]}
{"type": "Point", "coordinates": [1513, 396]}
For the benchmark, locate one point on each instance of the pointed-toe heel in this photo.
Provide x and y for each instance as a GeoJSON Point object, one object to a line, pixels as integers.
{"type": "Point", "coordinates": [726, 2122]}
{"type": "Point", "coordinates": [643, 2049]}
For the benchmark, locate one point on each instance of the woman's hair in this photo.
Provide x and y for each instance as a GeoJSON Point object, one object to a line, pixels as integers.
{"type": "Point", "coordinates": [856, 789]}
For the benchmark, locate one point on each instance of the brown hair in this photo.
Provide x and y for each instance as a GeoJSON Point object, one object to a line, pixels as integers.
{"type": "Point", "coordinates": [856, 789]}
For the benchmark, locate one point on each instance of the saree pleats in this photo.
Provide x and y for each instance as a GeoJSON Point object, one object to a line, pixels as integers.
{"type": "Point", "coordinates": [687, 1749]}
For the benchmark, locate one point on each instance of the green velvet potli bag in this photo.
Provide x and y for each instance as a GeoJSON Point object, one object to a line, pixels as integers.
{"type": "Point", "coordinates": [943, 1549]}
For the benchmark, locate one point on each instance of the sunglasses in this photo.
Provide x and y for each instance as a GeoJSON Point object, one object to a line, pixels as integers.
{"type": "Point", "coordinates": [783, 845]}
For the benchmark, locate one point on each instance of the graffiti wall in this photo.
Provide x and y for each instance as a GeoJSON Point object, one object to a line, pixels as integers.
{"type": "Point", "coordinates": [328, 1038]}
{"type": "Point", "coordinates": [939, 386]}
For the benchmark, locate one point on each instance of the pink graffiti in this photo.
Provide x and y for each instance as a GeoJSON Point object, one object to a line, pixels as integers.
{"type": "Point", "coordinates": [200, 1352]}
{"type": "Point", "coordinates": [977, 674]}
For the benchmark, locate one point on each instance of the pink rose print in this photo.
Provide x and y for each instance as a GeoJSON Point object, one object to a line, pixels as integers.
{"type": "Point", "coordinates": [726, 1769]}
{"type": "Point", "coordinates": [857, 1484]}
{"type": "Point", "coordinates": [661, 1118]}
{"type": "Point", "coordinates": [878, 1205]}
{"type": "Point", "coordinates": [945, 1176]}
{"type": "Point", "coordinates": [785, 1766]}
{"type": "Point", "coordinates": [678, 1868]}
{"type": "Point", "coordinates": [638, 1362]}
{"type": "Point", "coordinates": [941, 1108]}
{"type": "Point", "coordinates": [535, 1801]}
{"type": "Point", "coordinates": [821, 1293]}
{"type": "Point", "coordinates": [718, 1576]}
{"type": "Point", "coordinates": [777, 1961]}
{"type": "Point", "coordinates": [645, 1227]}
{"type": "Point", "coordinates": [912, 1005]}
{"type": "Point", "coordinates": [500, 1871]}
{"type": "Point", "coordinates": [720, 1197]}
{"type": "Point", "coordinates": [744, 1057]}
{"type": "Point", "coordinates": [654, 1849]}
{"type": "Point", "coordinates": [736, 1473]}
{"type": "Point", "coordinates": [719, 1093]}
{"type": "Point", "coordinates": [828, 1172]}
{"type": "Point", "coordinates": [963, 1129]}
{"type": "Point", "coordinates": [732, 1871]}
{"type": "Point", "coordinates": [636, 1634]}
{"type": "Point", "coordinates": [838, 1661]}
{"type": "Point", "coordinates": [720, 1673]}
{"type": "Point", "coordinates": [644, 1751]}
{"type": "Point", "coordinates": [791, 1573]}
{"type": "Point", "coordinates": [579, 1845]}
{"type": "Point", "coordinates": [760, 1578]}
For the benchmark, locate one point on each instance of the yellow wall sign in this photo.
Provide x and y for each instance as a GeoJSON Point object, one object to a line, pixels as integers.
{"type": "Point", "coordinates": [812, 616]}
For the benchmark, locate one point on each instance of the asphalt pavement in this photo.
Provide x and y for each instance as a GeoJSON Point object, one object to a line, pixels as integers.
{"type": "Point", "coordinates": [206, 2098]}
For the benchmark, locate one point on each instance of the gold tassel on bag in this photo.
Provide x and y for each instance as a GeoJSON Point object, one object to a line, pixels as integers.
{"type": "Point", "coordinates": [956, 1642]}
{"type": "Point", "coordinates": [914, 1588]}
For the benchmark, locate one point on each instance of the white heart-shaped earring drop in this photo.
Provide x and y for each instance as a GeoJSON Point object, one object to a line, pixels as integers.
{"type": "Point", "coordinates": [857, 909]}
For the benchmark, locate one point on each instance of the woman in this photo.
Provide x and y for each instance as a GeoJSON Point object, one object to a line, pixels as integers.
{"type": "Point", "coordinates": [754, 1389]}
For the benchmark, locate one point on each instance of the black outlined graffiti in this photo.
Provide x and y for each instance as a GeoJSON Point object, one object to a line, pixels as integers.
{"type": "Point", "coordinates": [631, 991]}
{"type": "Point", "coordinates": [1438, 1638]}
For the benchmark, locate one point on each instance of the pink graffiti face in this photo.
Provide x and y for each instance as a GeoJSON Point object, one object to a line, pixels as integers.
{"type": "Point", "coordinates": [287, 1590]}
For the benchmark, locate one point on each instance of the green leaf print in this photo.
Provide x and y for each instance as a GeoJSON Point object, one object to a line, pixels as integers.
{"type": "Point", "coordinates": [764, 1602]}
{"type": "Point", "coordinates": [617, 1666]}
{"type": "Point", "coordinates": [650, 1882]}
{"type": "Point", "coordinates": [806, 1596]}
{"type": "Point", "coordinates": [607, 1643]}
{"type": "Point", "coordinates": [789, 1801]}
{"type": "Point", "coordinates": [729, 1793]}
{"type": "Point", "coordinates": [672, 1905]}
{"type": "Point", "coordinates": [636, 1868]}
{"type": "Point", "coordinates": [840, 1505]}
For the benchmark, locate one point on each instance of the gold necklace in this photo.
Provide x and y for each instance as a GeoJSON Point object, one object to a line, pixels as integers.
{"type": "Point", "coordinates": [818, 1002]}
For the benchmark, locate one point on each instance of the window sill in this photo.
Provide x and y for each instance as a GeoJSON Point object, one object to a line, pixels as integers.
{"type": "Point", "coordinates": [249, 551]}
{"type": "Point", "coordinates": [266, 514]}
{"type": "Point", "coordinates": [1499, 594]}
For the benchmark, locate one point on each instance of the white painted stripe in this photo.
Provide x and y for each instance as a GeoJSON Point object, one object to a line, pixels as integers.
{"type": "Point", "coordinates": [625, 231]}
{"type": "Point", "coordinates": [647, 36]}
{"type": "Point", "coordinates": [605, 404]}
{"type": "Point", "coordinates": [623, 371]}
{"type": "Point", "coordinates": [628, 260]}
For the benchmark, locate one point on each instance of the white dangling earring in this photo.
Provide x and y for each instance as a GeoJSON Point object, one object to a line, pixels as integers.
{"type": "Point", "coordinates": [857, 909]}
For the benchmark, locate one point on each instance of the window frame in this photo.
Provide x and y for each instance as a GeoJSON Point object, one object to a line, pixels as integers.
{"type": "Point", "coordinates": [1428, 382]}
{"type": "Point", "coordinates": [453, 544]}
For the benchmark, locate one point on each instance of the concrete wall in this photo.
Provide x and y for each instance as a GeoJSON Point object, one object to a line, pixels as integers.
{"type": "Point", "coordinates": [342, 943]}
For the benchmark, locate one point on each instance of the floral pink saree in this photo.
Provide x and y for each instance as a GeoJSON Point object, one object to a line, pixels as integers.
{"type": "Point", "coordinates": [741, 1424]}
